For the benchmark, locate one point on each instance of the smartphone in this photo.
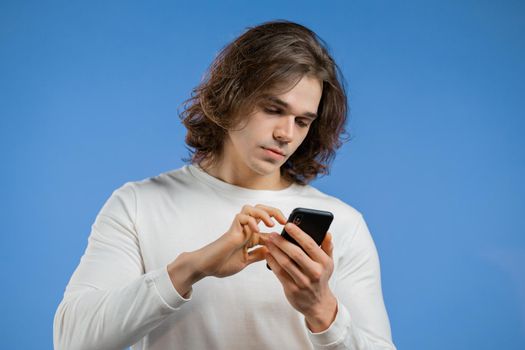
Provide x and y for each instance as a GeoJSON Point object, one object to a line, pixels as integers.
{"type": "Point", "coordinates": [313, 222]}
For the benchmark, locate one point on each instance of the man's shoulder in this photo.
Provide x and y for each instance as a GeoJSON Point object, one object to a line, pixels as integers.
{"type": "Point", "coordinates": [162, 183]}
{"type": "Point", "coordinates": [330, 202]}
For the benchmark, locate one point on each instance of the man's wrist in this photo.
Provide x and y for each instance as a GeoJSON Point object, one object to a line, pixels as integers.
{"type": "Point", "coordinates": [183, 274]}
{"type": "Point", "coordinates": [321, 320]}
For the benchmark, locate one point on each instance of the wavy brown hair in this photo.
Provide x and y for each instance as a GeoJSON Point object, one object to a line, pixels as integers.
{"type": "Point", "coordinates": [256, 63]}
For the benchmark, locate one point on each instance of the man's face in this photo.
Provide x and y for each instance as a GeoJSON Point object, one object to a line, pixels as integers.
{"type": "Point", "coordinates": [274, 131]}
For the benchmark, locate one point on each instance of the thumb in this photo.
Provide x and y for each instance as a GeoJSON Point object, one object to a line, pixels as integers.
{"type": "Point", "coordinates": [255, 255]}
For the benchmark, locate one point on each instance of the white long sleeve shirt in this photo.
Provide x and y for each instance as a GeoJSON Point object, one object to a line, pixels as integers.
{"type": "Point", "coordinates": [120, 295]}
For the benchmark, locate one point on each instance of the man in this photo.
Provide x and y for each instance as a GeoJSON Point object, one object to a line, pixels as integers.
{"type": "Point", "coordinates": [265, 122]}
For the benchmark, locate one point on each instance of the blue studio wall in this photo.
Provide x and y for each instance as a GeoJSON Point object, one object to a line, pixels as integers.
{"type": "Point", "coordinates": [89, 93]}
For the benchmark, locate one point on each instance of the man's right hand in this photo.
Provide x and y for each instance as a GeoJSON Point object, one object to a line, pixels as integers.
{"type": "Point", "coordinates": [229, 253]}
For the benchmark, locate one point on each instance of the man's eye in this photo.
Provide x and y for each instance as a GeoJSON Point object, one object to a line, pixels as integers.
{"type": "Point", "coordinates": [301, 123]}
{"type": "Point", "coordinates": [272, 110]}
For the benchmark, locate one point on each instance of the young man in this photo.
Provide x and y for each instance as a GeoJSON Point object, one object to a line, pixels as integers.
{"type": "Point", "coordinates": [265, 122]}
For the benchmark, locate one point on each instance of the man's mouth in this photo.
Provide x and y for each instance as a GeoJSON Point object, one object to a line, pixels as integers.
{"type": "Point", "coordinates": [274, 152]}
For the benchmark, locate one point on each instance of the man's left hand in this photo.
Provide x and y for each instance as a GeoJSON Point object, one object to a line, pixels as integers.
{"type": "Point", "coordinates": [304, 275]}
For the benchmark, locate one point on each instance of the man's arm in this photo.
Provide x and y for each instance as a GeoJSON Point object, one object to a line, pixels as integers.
{"type": "Point", "coordinates": [360, 320]}
{"type": "Point", "coordinates": [109, 302]}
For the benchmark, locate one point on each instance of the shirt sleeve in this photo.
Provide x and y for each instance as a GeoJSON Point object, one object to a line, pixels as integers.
{"type": "Point", "coordinates": [110, 303]}
{"type": "Point", "coordinates": [361, 322]}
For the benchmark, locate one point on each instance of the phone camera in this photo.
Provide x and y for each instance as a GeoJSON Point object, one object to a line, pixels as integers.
{"type": "Point", "coordinates": [297, 219]}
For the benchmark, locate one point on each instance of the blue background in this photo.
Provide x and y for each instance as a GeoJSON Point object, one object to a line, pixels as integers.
{"type": "Point", "coordinates": [89, 93]}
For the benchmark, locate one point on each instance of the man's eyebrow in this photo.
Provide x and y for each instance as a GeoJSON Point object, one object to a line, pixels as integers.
{"type": "Point", "coordinates": [283, 104]}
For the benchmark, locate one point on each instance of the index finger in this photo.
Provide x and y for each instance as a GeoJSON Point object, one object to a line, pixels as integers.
{"type": "Point", "coordinates": [305, 241]}
{"type": "Point", "coordinates": [274, 212]}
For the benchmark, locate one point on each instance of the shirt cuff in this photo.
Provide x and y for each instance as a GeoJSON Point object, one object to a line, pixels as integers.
{"type": "Point", "coordinates": [336, 332]}
{"type": "Point", "coordinates": [166, 290]}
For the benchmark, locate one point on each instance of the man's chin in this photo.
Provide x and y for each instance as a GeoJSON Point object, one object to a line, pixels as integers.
{"type": "Point", "coordinates": [267, 167]}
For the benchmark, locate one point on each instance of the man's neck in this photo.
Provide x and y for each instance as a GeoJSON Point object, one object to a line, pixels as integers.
{"type": "Point", "coordinates": [246, 180]}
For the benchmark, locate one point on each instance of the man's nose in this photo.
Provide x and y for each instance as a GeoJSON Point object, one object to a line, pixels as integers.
{"type": "Point", "coordinates": [284, 129]}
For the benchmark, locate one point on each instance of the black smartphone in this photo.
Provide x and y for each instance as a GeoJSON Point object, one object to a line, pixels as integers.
{"type": "Point", "coordinates": [312, 221]}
